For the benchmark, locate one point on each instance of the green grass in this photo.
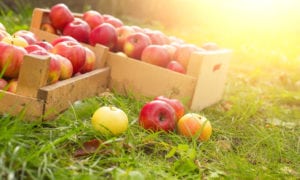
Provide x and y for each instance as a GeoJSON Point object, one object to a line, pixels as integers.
{"type": "Point", "coordinates": [255, 133]}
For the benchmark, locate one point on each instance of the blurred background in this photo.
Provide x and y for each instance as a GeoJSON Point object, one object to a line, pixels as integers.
{"type": "Point", "coordinates": [264, 29]}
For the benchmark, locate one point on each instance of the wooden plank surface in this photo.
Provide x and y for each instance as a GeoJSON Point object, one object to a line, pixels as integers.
{"type": "Point", "coordinates": [133, 77]}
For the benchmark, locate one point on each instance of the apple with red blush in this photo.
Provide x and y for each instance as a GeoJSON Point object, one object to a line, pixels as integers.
{"type": "Point", "coordinates": [78, 29]}
{"type": "Point", "coordinates": [66, 66]}
{"type": "Point", "coordinates": [134, 45]}
{"type": "Point", "coordinates": [176, 66]}
{"type": "Point", "coordinates": [116, 22]}
{"type": "Point", "coordinates": [157, 115]}
{"type": "Point", "coordinates": [90, 61]}
{"type": "Point", "coordinates": [3, 84]}
{"type": "Point", "coordinates": [12, 85]}
{"type": "Point", "coordinates": [62, 38]}
{"type": "Point", "coordinates": [175, 103]}
{"type": "Point", "coordinates": [123, 32]}
{"type": "Point", "coordinates": [73, 51]}
{"type": "Point", "coordinates": [44, 44]}
{"type": "Point", "coordinates": [34, 47]}
{"type": "Point", "coordinates": [104, 34]}
{"type": "Point", "coordinates": [183, 53]}
{"type": "Point", "coordinates": [93, 18]}
{"type": "Point", "coordinates": [60, 15]}
{"type": "Point", "coordinates": [156, 55]}
{"type": "Point", "coordinates": [29, 36]}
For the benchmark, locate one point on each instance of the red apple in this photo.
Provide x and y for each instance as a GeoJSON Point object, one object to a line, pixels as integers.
{"type": "Point", "coordinates": [48, 28]}
{"type": "Point", "coordinates": [135, 44]}
{"type": "Point", "coordinates": [54, 66]}
{"type": "Point", "coordinates": [183, 53]}
{"type": "Point", "coordinates": [114, 21]}
{"type": "Point", "coordinates": [12, 85]}
{"type": "Point", "coordinates": [29, 36]}
{"type": "Point", "coordinates": [123, 32]}
{"type": "Point", "coordinates": [60, 15]}
{"type": "Point", "coordinates": [104, 34]}
{"type": "Point", "coordinates": [156, 54]}
{"type": "Point", "coordinates": [90, 61]}
{"type": "Point", "coordinates": [34, 47]}
{"type": "Point", "coordinates": [138, 29]}
{"type": "Point", "coordinates": [157, 115]}
{"type": "Point", "coordinates": [171, 50]}
{"type": "Point", "coordinates": [157, 37]}
{"type": "Point", "coordinates": [93, 18]}
{"type": "Point", "coordinates": [78, 29]}
{"type": "Point", "coordinates": [66, 70]}
{"type": "Point", "coordinates": [62, 38]}
{"type": "Point", "coordinates": [3, 84]}
{"type": "Point", "coordinates": [11, 58]}
{"type": "Point", "coordinates": [176, 66]}
{"type": "Point", "coordinates": [175, 103]}
{"type": "Point", "coordinates": [73, 51]}
{"type": "Point", "coordinates": [44, 44]}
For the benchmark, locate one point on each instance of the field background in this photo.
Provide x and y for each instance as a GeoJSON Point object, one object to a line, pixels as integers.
{"type": "Point", "coordinates": [256, 125]}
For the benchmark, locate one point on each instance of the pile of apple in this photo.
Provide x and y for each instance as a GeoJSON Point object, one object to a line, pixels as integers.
{"type": "Point", "coordinates": [151, 46]}
{"type": "Point", "coordinates": [67, 56]}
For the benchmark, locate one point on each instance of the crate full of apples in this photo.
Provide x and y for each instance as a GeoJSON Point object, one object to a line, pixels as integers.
{"type": "Point", "coordinates": [42, 78]}
{"type": "Point", "coordinates": [143, 62]}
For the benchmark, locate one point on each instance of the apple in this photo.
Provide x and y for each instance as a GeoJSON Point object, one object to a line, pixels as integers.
{"type": "Point", "coordinates": [195, 126]}
{"type": "Point", "coordinates": [183, 53]}
{"type": "Point", "coordinates": [73, 51]}
{"type": "Point", "coordinates": [157, 37]}
{"type": "Point", "coordinates": [157, 115]}
{"type": "Point", "coordinates": [3, 34]}
{"type": "Point", "coordinates": [104, 34]}
{"type": "Point", "coordinates": [156, 55]}
{"type": "Point", "coordinates": [11, 58]}
{"type": "Point", "coordinates": [171, 50]}
{"type": "Point", "coordinates": [44, 44]}
{"type": "Point", "coordinates": [116, 22]}
{"type": "Point", "coordinates": [78, 29]}
{"type": "Point", "coordinates": [54, 66]}
{"type": "Point", "coordinates": [175, 103]}
{"type": "Point", "coordinates": [48, 28]}
{"type": "Point", "coordinates": [60, 15]}
{"type": "Point", "coordinates": [123, 32]}
{"type": "Point", "coordinates": [29, 36]}
{"type": "Point", "coordinates": [176, 66]}
{"type": "Point", "coordinates": [61, 39]}
{"type": "Point", "coordinates": [135, 44]}
{"type": "Point", "coordinates": [90, 61]}
{"type": "Point", "coordinates": [3, 84]}
{"type": "Point", "coordinates": [210, 46]}
{"type": "Point", "coordinates": [15, 40]}
{"type": "Point", "coordinates": [66, 68]}
{"type": "Point", "coordinates": [110, 120]}
{"type": "Point", "coordinates": [137, 29]}
{"type": "Point", "coordinates": [12, 85]}
{"type": "Point", "coordinates": [93, 18]}
{"type": "Point", "coordinates": [34, 47]}
{"type": "Point", "coordinates": [2, 27]}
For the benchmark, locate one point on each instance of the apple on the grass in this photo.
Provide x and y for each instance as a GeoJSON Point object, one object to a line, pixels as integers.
{"type": "Point", "coordinates": [123, 32]}
{"type": "Point", "coordinates": [15, 40]}
{"type": "Point", "coordinates": [29, 36]}
{"type": "Point", "coordinates": [176, 66]}
{"type": "Point", "coordinates": [109, 120]}
{"type": "Point", "coordinates": [135, 44]}
{"type": "Point", "coordinates": [175, 103]}
{"type": "Point", "coordinates": [48, 28]}
{"type": "Point", "coordinates": [78, 29]}
{"type": "Point", "coordinates": [90, 61]}
{"type": "Point", "coordinates": [12, 85]}
{"type": "Point", "coordinates": [61, 39]}
{"type": "Point", "coordinates": [73, 51]}
{"type": "Point", "coordinates": [158, 115]}
{"type": "Point", "coordinates": [183, 53]}
{"type": "Point", "coordinates": [66, 68]}
{"type": "Point", "coordinates": [60, 15]}
{"type": "Point", "coordinates": [3, 84]}
{"type": "Point", "coordinates": [11, 58]}
{"type": "Point", "coordinates": [104, 34]}
{"type": "Point", "coordinates": [156, 55]}
{"type": "Point", "coordinates": [195, 126]}
{"type": "Point", "coordinates": [93, 18]}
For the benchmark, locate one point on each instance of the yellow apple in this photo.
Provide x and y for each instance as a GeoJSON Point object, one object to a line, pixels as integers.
{"type": "Point", "coordinates": [110, 120]}
{"type": "Point", "coordinates": [15, 40]}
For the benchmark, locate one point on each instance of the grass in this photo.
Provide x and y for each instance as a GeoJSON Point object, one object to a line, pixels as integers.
{"type": "Point", "coordinates": [255, 132]}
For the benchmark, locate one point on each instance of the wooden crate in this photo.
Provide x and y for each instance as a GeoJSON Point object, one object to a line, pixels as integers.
{"type": "Point", "coordinates": [39, 101]}
{"type": "Point", "coordinates": [202, 85]}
